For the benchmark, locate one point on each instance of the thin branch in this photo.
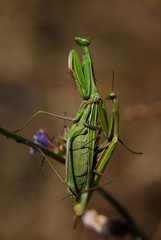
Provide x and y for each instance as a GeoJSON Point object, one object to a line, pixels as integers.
{"type": "Point", "coordinates": [29, 143]}
{"type": "Point", "coordinates": [134, 230]}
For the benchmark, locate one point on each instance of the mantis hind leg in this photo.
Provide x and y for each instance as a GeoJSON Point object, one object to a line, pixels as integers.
{"type": "Point", "coordinates": [45, 113]}
{"type": "Point", "coordinates": [52, 166]}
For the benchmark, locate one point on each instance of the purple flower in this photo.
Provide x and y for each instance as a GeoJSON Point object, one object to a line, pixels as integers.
{"type": "Point", "coordinates": [42, 139]}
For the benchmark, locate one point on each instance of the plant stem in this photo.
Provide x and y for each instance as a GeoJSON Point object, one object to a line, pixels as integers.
{"type": "Point", "coordinates": [19, 139]}
{"type": "Point", "coordinates": [133, 229]}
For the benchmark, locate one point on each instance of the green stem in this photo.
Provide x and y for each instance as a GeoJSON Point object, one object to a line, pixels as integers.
{"type": "Point", "coordinates": [134, 230]}
{"type": "Point", "coordinates": [29, 143]}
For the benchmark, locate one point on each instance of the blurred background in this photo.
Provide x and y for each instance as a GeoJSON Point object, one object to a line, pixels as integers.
{"type": "Point", "coordinates": [35, 39]}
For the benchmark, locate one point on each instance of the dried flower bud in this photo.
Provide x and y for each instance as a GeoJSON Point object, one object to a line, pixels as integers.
{"type": "Point", "coordinates": [104, 225]}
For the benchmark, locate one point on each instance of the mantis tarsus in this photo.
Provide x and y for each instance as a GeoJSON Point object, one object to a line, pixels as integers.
{"type": "Point", "coordinates": [85, 159]}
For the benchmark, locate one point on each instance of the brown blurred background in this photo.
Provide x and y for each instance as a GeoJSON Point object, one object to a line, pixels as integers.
{"type": "Point", "coordinates": [35, 39]}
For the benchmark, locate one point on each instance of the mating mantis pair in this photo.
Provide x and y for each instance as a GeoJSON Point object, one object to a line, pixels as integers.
{"type": "Point", "coordinates": [83, 167]}
{"type": "Point", "coordinates": [85, 159]}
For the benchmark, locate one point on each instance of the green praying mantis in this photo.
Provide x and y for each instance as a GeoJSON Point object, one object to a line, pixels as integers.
{"type": "Point", "coordinates": [83, 171]}
{"type": "Point", "coordinates": [85, 159]}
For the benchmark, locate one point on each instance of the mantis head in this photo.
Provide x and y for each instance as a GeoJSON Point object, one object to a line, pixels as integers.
{"type": "Point", "coordinates": [111, 96]}
{"type": "Point", "coordinates": [82, 41]}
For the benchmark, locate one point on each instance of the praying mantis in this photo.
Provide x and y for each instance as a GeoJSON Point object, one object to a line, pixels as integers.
{"type": "Point", "coordinates": [85, 158]}
{"type": "Point", "coordinates": [82, 171]}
